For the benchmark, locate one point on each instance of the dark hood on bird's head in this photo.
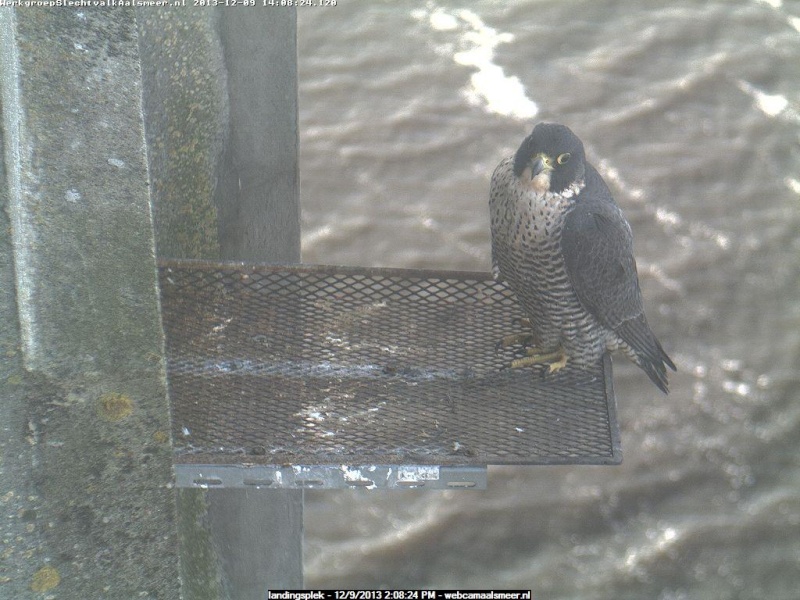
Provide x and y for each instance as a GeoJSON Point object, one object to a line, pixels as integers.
{"type": "Point", "coordinates": [554, 141]}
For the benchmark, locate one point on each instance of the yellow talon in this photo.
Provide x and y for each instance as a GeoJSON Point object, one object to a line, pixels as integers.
{"type": "Point", "coordinates": [514, 339]}
{"type": "Point", "coordinates": [559, 364]}
{"type": "Point", "coordinates": [523, 339]}
{"type": "Point", "coordinates": [555, 361]}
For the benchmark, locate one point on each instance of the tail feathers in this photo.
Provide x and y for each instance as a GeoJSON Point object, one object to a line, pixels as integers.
{"type": "Point", "coordinates": [645, 350]}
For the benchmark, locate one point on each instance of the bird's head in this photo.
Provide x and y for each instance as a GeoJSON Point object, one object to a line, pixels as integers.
{"type": "Point", "coordinates": [550, 159]}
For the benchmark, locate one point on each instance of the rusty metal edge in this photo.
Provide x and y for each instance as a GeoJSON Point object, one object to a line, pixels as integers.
{"type": "Point", "coordinates": [205, 265]}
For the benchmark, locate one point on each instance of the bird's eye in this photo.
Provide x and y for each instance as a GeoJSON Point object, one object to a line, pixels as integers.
{"type": "Point", "coordinates": [563, 158]}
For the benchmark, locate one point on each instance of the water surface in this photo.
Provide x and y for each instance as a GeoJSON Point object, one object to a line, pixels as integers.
{"type": "Point", "coordinates": [691, 112]}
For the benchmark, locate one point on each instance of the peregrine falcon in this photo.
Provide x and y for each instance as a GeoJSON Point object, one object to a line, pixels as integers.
{"type": "Point", "coordinates": [564, 248]}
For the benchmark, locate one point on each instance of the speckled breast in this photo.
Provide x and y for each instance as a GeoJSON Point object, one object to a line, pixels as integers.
{"type": "Point", "coordinates": [526, 246]}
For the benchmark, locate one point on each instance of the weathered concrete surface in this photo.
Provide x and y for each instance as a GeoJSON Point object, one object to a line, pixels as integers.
{"type": "Point", "coordinates": [186, 113]}
{"type": "Point", "coordinates": [92, 406]}
{"type": "Point", "coordinates": [20, 506]}
{"type": "Point", "coordinates": [220, 96]}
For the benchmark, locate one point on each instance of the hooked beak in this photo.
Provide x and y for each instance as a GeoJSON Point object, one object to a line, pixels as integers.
{"type": "Point", "coordinates": [541, 163]}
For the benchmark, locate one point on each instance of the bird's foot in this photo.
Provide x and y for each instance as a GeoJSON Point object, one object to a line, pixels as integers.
{"type": "Point", "coordinates": [555, 361]}
{"type": "Point", "coordinates": [524, 339]}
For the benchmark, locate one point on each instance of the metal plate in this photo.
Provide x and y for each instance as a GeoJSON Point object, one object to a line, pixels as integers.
{"type": "Point", "coordinates": [341, 366]}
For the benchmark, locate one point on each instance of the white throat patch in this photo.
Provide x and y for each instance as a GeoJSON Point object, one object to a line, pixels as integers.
{"type": "Point", "coordinates": [541, 183]}
{"type": "Point", "coordinates": [574, 189]}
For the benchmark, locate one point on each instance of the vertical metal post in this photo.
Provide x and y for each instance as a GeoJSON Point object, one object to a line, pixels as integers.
{"type": "Point", "coordinates": [220, 91]}
{"type": "Point", "coordinates": [259, 532]}
{"type": "Point", "coordinates": [257, 193]}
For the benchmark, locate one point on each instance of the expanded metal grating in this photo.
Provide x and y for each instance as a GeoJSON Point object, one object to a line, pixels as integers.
{"type": "Point", "coordinates": [295, 367]}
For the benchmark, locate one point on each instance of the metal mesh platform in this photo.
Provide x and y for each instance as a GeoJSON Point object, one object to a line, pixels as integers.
{"type": "Point", "coordinates": [286, 371]}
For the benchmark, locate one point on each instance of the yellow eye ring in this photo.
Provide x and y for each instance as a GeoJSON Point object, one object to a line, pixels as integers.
{"type": "Point", "coordinates": [563, 158]}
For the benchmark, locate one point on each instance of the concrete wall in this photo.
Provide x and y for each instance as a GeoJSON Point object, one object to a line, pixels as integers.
{"type": "Point", "coordinates": [220, 92]}
{"type": "Point", "coordinates": [85, 478]}
{"type": "Point", "coordinates": [86, 467]}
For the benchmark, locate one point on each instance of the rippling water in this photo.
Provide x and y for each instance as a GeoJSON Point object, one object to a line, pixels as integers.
{"type": "Point", "coordinates": [691, 111]}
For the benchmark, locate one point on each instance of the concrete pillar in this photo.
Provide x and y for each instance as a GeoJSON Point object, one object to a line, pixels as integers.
{"type": "Point", "coordinates": [85, 480]}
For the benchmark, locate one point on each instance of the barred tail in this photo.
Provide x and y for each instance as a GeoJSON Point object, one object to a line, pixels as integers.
{"type": "Point", "coordinates": [645, 350]}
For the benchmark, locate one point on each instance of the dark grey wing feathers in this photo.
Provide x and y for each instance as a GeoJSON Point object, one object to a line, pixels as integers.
{"type": "Point", "coordinates": [652, 358]}
{"type": "Point", "coordinates": [597, 244]}
{"type": "Point", "coordinates": [598, 251]}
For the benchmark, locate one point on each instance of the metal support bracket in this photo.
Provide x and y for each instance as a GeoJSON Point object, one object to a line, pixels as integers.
{"type": "Point", "coordinates": [330, 477]}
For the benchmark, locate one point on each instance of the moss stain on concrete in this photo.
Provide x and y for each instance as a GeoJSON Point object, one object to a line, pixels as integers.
{"type": "Point", "coordinates": [185, 108]}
